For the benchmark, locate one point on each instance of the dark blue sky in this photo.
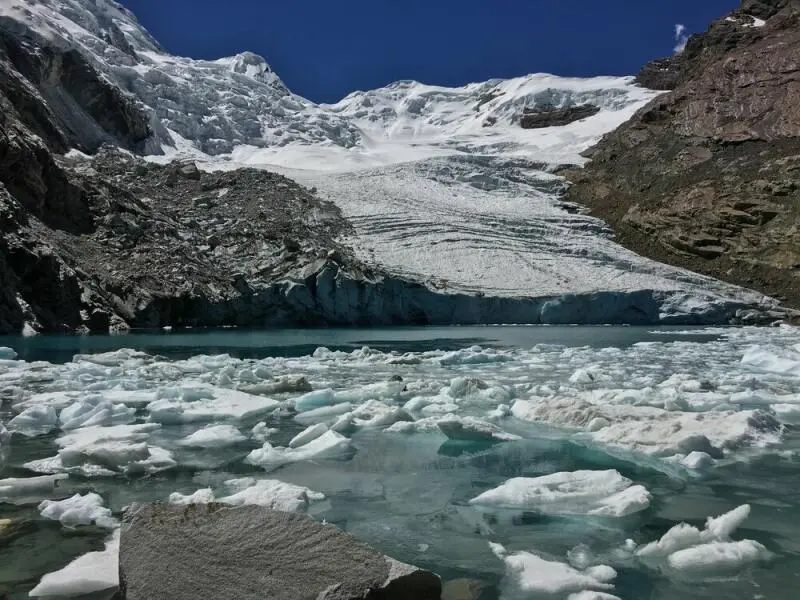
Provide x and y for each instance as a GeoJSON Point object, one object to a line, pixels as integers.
{"type": "Point", "coordinates": [323, 50]}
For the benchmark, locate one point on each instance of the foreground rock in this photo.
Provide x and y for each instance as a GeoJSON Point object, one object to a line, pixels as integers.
{"type": "Point", "coordinates": [251, 552]}
{"type": "Point", "coordinates": [706, 177]}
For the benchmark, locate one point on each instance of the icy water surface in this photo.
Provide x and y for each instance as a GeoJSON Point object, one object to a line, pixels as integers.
{"type": "Point", "coordinates": [550, 462]}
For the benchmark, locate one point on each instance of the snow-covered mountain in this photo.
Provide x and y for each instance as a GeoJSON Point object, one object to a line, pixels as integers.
{"type": "Point", "coordinates": [442, 185]}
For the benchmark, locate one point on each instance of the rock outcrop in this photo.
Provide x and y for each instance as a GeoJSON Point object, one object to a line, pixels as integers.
{"type": "Point", "coordinates": [556, 117]}
{"type": "Point", "coordinates": [250, 552]}
{"type": "Point", "coordinates": [707, 176]}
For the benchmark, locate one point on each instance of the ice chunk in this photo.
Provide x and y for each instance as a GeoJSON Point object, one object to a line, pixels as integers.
{"type": "Point", "coordinates": [466, 386]}
{"type": "Point", "coordinates": [7, 353]}
{"type": "Point", "coordinates": [473, 430]}
{"type": "Point", "coordinates": [95, 411]}
{"type": "Point", "coordinates": [373, 391]}
{"type": "Point", "coordinates": [697, 461]}
{"type": "Point", "coordinates": [599, 493]}
{"type": "Point", "coordinates": [90, 573]}
{"type": "Point", "coordinates": [261, 432]}
{"type": "Point", "coordinates": [5, 435]}
{"type": "Point", "coordinates": [375, 414]}
{"type": "Point", "coordinates": [535, 577]}
{"type": "Point", "coordinates": [270, 493]}
{"type": "Point", "coordinates": [15, 488]}
{"type": "Point", "coordinates": [79, 510]}
{"type": "Point", "coordinates": [33, 421]}
{"type": "Point", "coordinates": [717, 558]}
{"type": "Point", "coordinates": [654, 430]}
{"type": "Point", "coordinates": [330, 445]}
{"type": "Point", "coordinates": [687, 552]}
{"type": "Point", "coordinates": [324, 413]}
{"type": "Point", "coordinates": [203, 496]}
{"type": "Point", "coordinates": [308, 435]}
{"type": "Point", "coordinates": [115, 448]}
{"type": "Point", "coordinates": [214, 436]}
{"type": "Point", "coordinates": [223, 404]}
{"type": "Point", "coordinates": [315, 399]}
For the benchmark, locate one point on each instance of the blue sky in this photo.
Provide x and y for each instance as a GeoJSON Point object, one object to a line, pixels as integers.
{"type": "Point", "coordinates": [323, 50]}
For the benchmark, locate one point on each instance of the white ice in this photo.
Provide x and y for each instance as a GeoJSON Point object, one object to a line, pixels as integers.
{"type": "Point", "coordinates": [214, 436]}
{"type": "Point", "coordinates": [212, 404]}
{"type": "Point", "coordinates": [79, 510]}
{"type": "Point", "coordinates": [330, 445]}
{"type": "Point", "coordinates": [90, 573]}
{"type": "Point", "coordinates": [530, 576]}
{"type": "Point", "coordinates": [269, 493]}
{"type": "Point", "coordinates": [29, 486]}
{"type": "Point", "coordinates": [596, 493]}
{"type": "Point", "coordinates": [688, 552]}
{"type": "Point", "coordinates": [34, 421]}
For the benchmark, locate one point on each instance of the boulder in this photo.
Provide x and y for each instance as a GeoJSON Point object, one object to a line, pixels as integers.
{"type": "Point", "coordinates": [214, 551]}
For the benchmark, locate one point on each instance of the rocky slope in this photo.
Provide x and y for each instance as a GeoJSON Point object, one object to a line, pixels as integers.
{"type": "Point", "coordinates": [707, 176]}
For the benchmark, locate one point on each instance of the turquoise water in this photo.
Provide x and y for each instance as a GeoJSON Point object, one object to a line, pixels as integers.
{"type": "Point", "coordinates": [408, 494]}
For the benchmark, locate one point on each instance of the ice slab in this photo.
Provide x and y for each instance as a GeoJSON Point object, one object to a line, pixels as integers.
{"type": "Point", "coordinates": [29, 486]}
{"type": "Point", "coordinates": [34, 421]}
{"type": "Point", "coordinates": [90, 573]}
{"type": "Point", "coordinates": [530, 576]}
{"type": "Point", "coordinates": [224, 404]}
{"type": "Point", "coordinates": [79, 510]}
{"type": "Point", "coordinates": [596, 493]}
{"type": "Point", "coordinates": [330, 445]}
{"type": "Point", "coordinates": [688, 552]}
{"type": "Point", "coordinates": [214, 436]}
{"type": "Point", "coordinates": [269, 493]}
{"type": "Point", "coordinates": [95, 411]}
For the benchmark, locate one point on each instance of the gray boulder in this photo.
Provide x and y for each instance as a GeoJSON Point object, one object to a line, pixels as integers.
{"type": "Point", "coordinates": [215, 551]}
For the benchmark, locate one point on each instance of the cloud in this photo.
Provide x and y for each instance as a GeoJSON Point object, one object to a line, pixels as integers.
{"type": "Point", "coordinates": [680, 38]}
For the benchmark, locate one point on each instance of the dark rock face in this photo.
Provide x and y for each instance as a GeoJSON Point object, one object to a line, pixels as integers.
{"type": "Point", "coordinates": [64, 100]}
{"type": "Point", "coordinates": [250, 552]}
{"type": "Point", "coordinates": [556, 117]}
{"type": "Point", "coordinates": [707, 177]}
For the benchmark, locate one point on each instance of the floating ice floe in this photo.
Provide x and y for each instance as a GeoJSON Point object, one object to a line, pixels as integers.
{"type": "Point", "coordinates": [79, 510]}
{"type": "Point", "coordinates": [7, 353]}
{"type": "Point", "coordinates": [210, 404]}
{"type": "Point", "coordinates": [330, 445]}
{"type": "Point", "coordinates": [653, 430]}
{"type": "Point", "coordinates": [595, 493]}
{"type": "Point", "coordinates": [102, 451]}
{"type": "Point", "coordinates": [688, 552]}
{"type": "Point", "coordinates": [309, 434]}
{"type": "Point", "coordinates": [530, 576]}
{"type": "Point", "coordinates": [269, 493]}
{"type": "Point", "coordinates": [214, 436]}
{"type": "Point", "coordinates": [34, 421]}
{"type": "Point", "coordinates": [88, 574]}
{"type": "Point", "coordinates": [29, 486]}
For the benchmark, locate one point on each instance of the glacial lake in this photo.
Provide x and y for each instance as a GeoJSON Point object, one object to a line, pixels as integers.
{"type": "Point", "coordinates": [571, 448]}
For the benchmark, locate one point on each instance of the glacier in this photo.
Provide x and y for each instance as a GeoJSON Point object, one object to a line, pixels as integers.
{"type": "Point", "coordinates": [443, 186]}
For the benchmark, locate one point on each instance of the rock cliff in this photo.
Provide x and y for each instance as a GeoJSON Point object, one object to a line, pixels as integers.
{"type": "Point", "coordinates": [707, 176]}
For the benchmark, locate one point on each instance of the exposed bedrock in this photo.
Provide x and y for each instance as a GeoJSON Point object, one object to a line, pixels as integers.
{"type": "Point", "coordinates": [250, 552]}
{"type": "Point", "coordinates": [707, 176]}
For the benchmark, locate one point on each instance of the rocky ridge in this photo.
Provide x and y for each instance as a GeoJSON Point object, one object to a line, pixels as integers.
{"type": "Point", "coordinates": [707, 176]}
